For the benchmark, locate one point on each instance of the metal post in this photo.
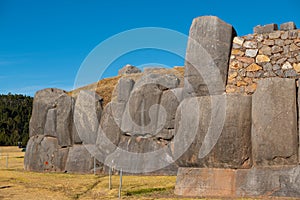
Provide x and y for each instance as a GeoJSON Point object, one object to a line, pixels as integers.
{"type": "Point", "coordinates": [7, 160]}
{"type": "Point", "coordinates": [94, 165]}
{"type": "Point", "coordinates": [120, 188]}
{"type": "Point", "coordinates": [109, 178]}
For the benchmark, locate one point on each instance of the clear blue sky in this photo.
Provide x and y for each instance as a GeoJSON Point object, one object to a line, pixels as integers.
{"type": "Point", "coordinates": [43, 43]}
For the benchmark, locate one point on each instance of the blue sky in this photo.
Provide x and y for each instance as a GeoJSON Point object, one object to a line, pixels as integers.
{"type": "Point", "coordinates": [43, 43]}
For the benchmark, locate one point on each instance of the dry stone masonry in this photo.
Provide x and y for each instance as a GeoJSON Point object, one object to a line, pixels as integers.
{"type": "Point", "coordinates": [266, 53]}
{"type": "Point", "coordinates": [228, 128]}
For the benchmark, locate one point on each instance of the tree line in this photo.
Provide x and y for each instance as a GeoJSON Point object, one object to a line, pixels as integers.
{"type": "Point", "coordinates": [15, 115]}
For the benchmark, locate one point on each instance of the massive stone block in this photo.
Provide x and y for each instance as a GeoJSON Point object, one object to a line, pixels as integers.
{"type": "Point", "coordinates": [267, 182]}
{"type": "Point", "coordinates": [42, 154]}
{"type": "Point", "coordinates": [142, 109]}
{"type": "Point", "coordinates": [207, 56]}
{"type": "Point", "coordinates": [109, 131]}
{"type": "Point", "coordinates": [138, 119]}
{"type": "Point", "coordinates": [80, 159]}
{"type": "Point", "coordinates": [142, 155]}
{"type": "Point", "coordinates": [281, 181]}
{"type": "Point", "coordinates": [50, 125]}
{"type": "Point", "coordinates": [124, 87]}
{"type": "Point", "coordinates": [87, 116]}
{"type": "Point", "coordinates": [64, 116]}
{"type": "Point", "coordinates": [274, 123]}
{"type": "Point", "coordinates": [205, 182]}
{"type": "Point", "coordinates": [223, 120]}
{"type": "Point", "coordinates": [43, 101]}
{"type": "Point", "coordinates": [298, 124]}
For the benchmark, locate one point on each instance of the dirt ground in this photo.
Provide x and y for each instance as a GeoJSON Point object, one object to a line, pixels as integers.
{"type": "Point", "coordinates": [15, 183]}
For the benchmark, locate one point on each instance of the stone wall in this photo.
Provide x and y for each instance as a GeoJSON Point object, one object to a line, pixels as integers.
{"type": "Point", "coordinates": [268, 53]}
{"type": "Point", "coordinates": [231, 125]}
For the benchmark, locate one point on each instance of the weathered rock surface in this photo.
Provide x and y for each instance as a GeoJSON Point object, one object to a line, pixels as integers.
{"type": "Point", "coordinates": [163, 81]}
{"type": "Point", "coordinates": [266, 28]}
{"type": "Point", "coordinates": [142, 155]}
{"type": "Point", "coordinates": [64, 116]}
{"type": "Point", "coordinates": [124, 87]}
{"type": "Point", "coordinates": [205, 182]}
{"type": "Point", "coordinates": [227, 125]}
{"type": "Point", "coordinates": [109, 131]}
{"type": "Point", "coordinates": [281, 181]}
{"type": "Point", "coordinates": [43, 101]}
{"type": "Point", "coordinates": [207, 56]}
{"type": "Point", "coordinates": [142, 109]}
{"type": "Point", "coordinates": [288, 26]}
{"type": "Point", "coordinates": [42, 154]}
{"type": "Point", "coordinates": [87, 116]}
{"type": "Point", "coordinates": [80, 159]}
{"type": "Point", "coordinates": [274, 123]}
{"type": "Point", "coordinates": [50, 125]}
{"type": "Point", "coordinates": [129, 69]}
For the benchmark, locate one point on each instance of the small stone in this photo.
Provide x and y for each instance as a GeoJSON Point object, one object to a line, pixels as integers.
{"type": "Point", "coordinates": [236, 46]}
{"type": "Point", "coordinates": [276, 57]}
{"type": "Point", "coordinates": [269, 42]}
{"type": "Point", "coordinates": [235, 65]}
{"type": "Point", "coordinates": [276, 67]}
{"type": "Point", "coordinates": [276, 49]}
{"type": "Point", "coordinates": [232, 75]}
{"type": "Point", "coordinates": [237, 52]}
{"type": "Point", "coordinates": [258, 74]}
{"type": "Point", "coordinates": [251, 88]}
{"type": "Point", "coordinates": [279, 73]}
{"type": "Point", "coordinates": [269, 74]}
{"type": "Point", "coordinates": [242, 72]}
{"type": "Point", "coordinates": [279, 42]}
{"type": "Point", "coordinates": [287, 26]}
{"type": "Point", "coordinates": [286, 49]}
{"type": "Point", "coordinates": [287, 42]}
{"type": "Point", "coordinates": [285, 35]}
{"type": "Point", "coordinates": [241, 83]}
{"type": "Point", "coordinates": [230, 89]}
{"type": "Point", "coordinates": [265, 29]}
{"type": "Point", "coordinates": [296, 67]}
{"type": "Point", "coordinates": [250, 74]}
{"type": "Point", "coordinates": [292, 60]}
{"type": "Point", "coordinates": [260, 38]}
{"type": "Point", "coordinates": [281, 61]}
{"type": "Point", "coordinates": [251, 52]}
{"type": "Point", "coordinates": [293, 34]}
{"type": "Point", "coordinates": [294, 47]}
{"type": "Point", "coordinates": [249, 37]}
{"type": "Point", "coordinates": [245, 59]}
{"type": "Point", "coordinates": [262, 58]}
{"type": "Point", "coordinates": [275, 35]}
{"type": "Point", "coordinates": [248, 80]}
{"type": "Point", "coordinates": [238, 40]}
{"type": "Point", "coordinates": [287, 65]}
{"type": "Point", "coordinates": [266, 50]}
{"type": "Point", "coordinates": [291, 73]}
{"type": "Point", "coordinates": [129, 69]}
{"type": "Point", "coordinates": [253, 67]}
{"type": "Point", "coordinates": [250, 44]}
{"type": "Point", "coordinates": [298, 58]}
{"type": "Point", "coordinates": [268, 67]}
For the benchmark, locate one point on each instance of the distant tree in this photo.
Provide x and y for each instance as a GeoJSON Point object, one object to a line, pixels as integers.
{"type": "Point", "coordinates": [14, 119]}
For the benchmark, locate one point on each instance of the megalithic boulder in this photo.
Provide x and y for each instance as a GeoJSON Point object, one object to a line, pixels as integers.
{"type": "Point", "coordinates": [204, 140]}
{"type": "Point", "coordinates": [207, 56]}
{"type": "Point", "coordinates": [43, 101]}
{"type": "Point", "coordinates": [274, 123]}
